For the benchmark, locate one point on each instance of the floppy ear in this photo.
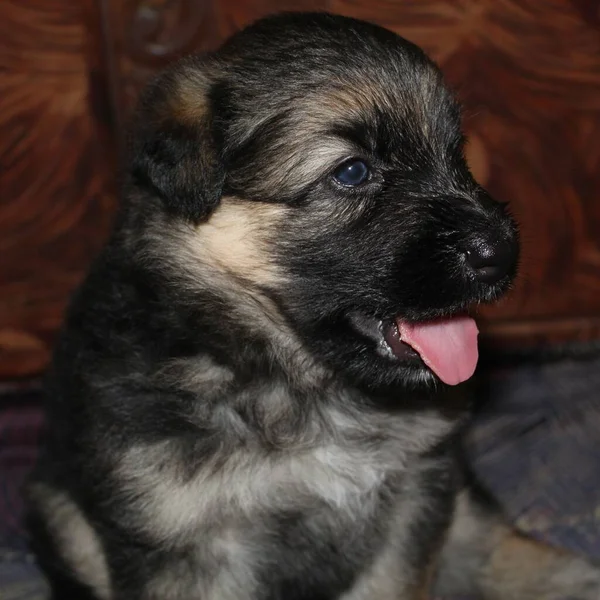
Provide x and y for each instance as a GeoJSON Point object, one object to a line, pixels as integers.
{"type": "Point", "coordinates": [173, 153]}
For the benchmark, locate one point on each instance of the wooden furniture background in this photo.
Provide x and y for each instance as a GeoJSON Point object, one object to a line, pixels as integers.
{"type": "Point", "coordinates": [527, 71]}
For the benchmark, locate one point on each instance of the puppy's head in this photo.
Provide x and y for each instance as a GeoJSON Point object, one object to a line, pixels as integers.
{"type": "Point", "coordinates": [319, 160]}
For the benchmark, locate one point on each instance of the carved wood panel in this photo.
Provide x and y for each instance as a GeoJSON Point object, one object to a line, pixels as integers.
{"type": "Point", "coordinates": [55, 200]}
{"type": "Point", "coordinates": [143, 36]}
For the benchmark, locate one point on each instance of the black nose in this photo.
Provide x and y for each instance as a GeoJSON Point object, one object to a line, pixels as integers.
{"type": "Point", "coordinates": [491, 259]}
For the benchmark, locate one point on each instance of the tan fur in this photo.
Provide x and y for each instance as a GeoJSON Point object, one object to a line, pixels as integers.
{"type": "Point", "coordinates": [231, 253]}
{"type": "Point", "coordinates": [307, 149]}
{"type": "Point", "coordinates": [326, 460]}
{"type": "Point", "coordinates": [236, 240]}
{"type": "Point", "coordinates": [234, 244]}
{"type": "Point", "coordinates": [234, 559]}
{"type": "Point", "coordinates": [427, 576]}
{"type": "Point", "coordinates": [301, 166]}
{"type": "Point", "coordinates": [383, 580]}
{"type": "Point", "coordinates": [77, 541]}
{"type": "Point", "coordinates": [194, 374]}
{"type": "Point", "coordinates": [340, 104]}
{"type": "Point", "coordinates": [188, 103]}
{"type": "Point", "coordinates": [251, 483]}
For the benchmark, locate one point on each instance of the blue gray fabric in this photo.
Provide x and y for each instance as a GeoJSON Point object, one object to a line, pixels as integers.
{"type": "Point", "coordinates": [20, 579]}
{"type": "Point", "coordinates": [536, 447]}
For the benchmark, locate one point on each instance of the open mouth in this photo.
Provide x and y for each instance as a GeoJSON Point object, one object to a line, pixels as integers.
{"type": "Point", "coordinates": [447, 346]}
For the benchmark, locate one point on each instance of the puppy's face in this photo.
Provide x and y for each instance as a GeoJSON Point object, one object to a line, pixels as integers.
{"type": "Point", "coordinates": [320, 160]}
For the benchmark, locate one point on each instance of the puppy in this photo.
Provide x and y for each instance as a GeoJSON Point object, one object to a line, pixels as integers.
{"type": "Point", "coordinates": [248, 397]}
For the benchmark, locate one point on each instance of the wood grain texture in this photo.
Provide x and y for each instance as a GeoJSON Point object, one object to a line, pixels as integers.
{"type": "Point", "coordinates": [145, 36]}
{"type": "Point", "coordinates": [54, 207]}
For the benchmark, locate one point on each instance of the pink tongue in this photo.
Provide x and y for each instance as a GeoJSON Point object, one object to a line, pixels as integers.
{"type": "Point", "coordinates": [448, 348]}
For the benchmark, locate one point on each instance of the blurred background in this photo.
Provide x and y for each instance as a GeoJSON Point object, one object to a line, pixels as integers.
{"type": "Point", "coordinates": [528, 75]}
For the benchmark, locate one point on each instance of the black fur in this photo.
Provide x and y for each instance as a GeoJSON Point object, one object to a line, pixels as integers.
{"type": "Point", "coordinates": [175, 365]}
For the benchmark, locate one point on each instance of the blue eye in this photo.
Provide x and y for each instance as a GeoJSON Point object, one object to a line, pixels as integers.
{"type": "Point", "coordinates": [352, 172]}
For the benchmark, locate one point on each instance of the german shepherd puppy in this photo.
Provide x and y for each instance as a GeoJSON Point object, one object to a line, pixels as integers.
{"type": "Point", "coordinates": [247, 400]}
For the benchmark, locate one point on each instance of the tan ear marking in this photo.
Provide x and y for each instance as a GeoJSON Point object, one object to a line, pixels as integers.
{"type": "Point", "coordinates": [236, 239]}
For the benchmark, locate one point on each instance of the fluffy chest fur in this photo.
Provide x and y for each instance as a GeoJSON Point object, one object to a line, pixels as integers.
{"type": "Point", "coordinates": [274, 456]}
{"type": "Point", "coordinates": [275, 500]}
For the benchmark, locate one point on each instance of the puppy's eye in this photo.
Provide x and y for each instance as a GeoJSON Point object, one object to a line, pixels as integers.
{"type": "Point", "coordinates": [352, 172]}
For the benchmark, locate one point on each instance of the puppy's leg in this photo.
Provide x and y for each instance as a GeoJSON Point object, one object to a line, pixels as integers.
{"type": "Point", "coordinates": [405, 566]}
{"type": "Point", "coordinates": [63, 583]}
{"type": "Point", "coordinates": [66, 545]}
{"type": "Point", "coordinates": [390, 578]}
{"type": "Point", "coordinates": [483, 556]}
